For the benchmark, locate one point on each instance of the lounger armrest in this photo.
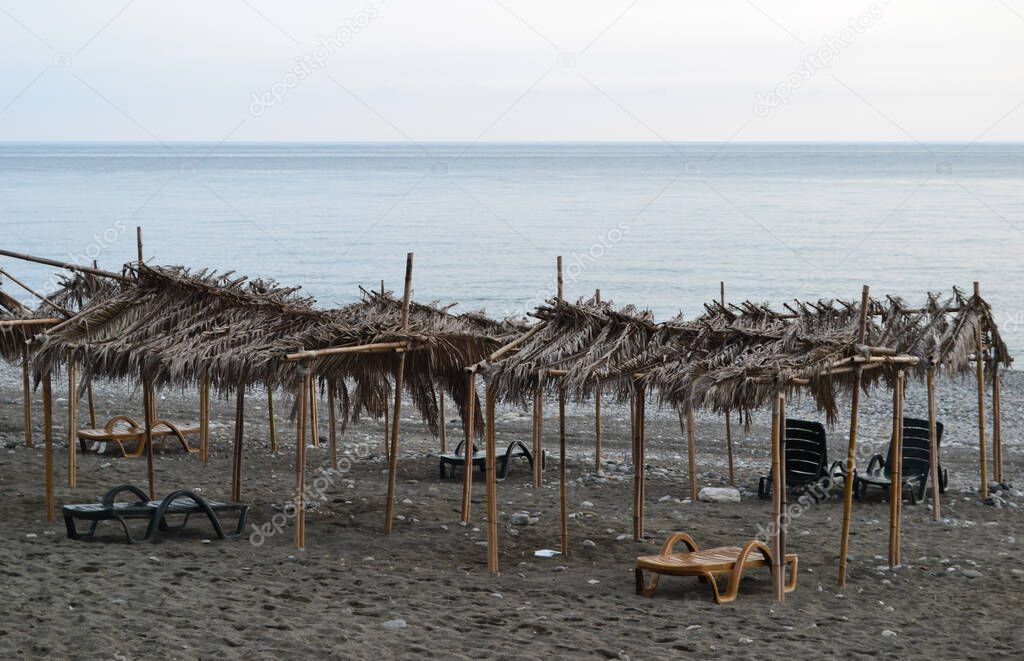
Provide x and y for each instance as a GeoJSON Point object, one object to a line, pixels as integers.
{"type": "Point", "coordinates": [876, 463]}
{"type": "Point", "coordinates": [674, 539]}
{"type": "Point", "coordinates": [109, 426]}
{"type": "Point", "coordinates": [111, 496]}
{"type": "Point", "coordinates": [838, 469]}
{"type": "Point", "coordinates": [461, 446]}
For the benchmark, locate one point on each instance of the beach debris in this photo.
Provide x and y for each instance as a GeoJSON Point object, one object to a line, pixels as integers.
{"type": "Point", "coordinates": [546, 553]}
{"type": "Point", "coordinates": [719, 495]}
{"type": "Point", "coordinates": [593, 581]}
{"type": "Point", "coordinates": [395, 624]}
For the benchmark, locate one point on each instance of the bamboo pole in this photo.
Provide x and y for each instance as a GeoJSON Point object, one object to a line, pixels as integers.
{"type": "Point", "coordinates": [92, 407]}
{"type": "Point", "coordinates": [597, 410]}
{"type": "Point", "coordinates": [783, 494]}
{"type": "Point", "coordinates": [138, 239]}
{"type": "Point", "coordinates": [399, 382]}
{"type": "Point", "coordinates": [851, 452]}
{"type": "Point", "coordinates": [44, 299]}
{"type": "Point", "coordinates": [562, 458]}
{"type": "Point", "coordinates": [492, 496]}
{"type": "Point", "coordinates": [635, 455]}
{"type": "Point", "coordinates": [376, 347]}
{"type": "Point", "coordinates": [896, 472]}
{"type": "Point", "coordinates": [933, 443]}
{"type": "Point", "coordinates": [72, 425]}
{"type": "Point", "coordinates": [997, 425]}
{"type": "Point", "coordinates": [26, 393]}
{"type": "Point", "coordinates": [204, 416]}
{"type": "Point", "coordinates": [270, 417]}
{"type": "Point", "coordinates": [48, 444]}
{"type": "Point", "coordinates": [728, 416]}
{"type": "Point", "coordinates": [558, 266]}
{"type": "Point", "coordinates": [641, 441]}
{"type": "Point", "coordinates": [776, 536]}
{"type": "Point", "coordinates": [387, 430]}
{"type": "Point", "coordinates": [538, 446]}
{"type": "Point", "coordinates": [442, 429]}
{"type": "Point", "coordinates": [314, 423]}
{"type": "Point", "coordinates": [467, 453]}
{"type": "Point", "coordinates": [980, 371]}
{"type": "Point", "coordinates": [65, 265]}
{"type": "Point", "coordinates": [333, 422]}
{"type": "Point", "coordinates": [236, 464]}
{"type": "Point", "coordinates": [148, 407]}
{"type": "Point", "coordinates": [691, 451]}
{"type": "Point", "coordinates": [300, 460]}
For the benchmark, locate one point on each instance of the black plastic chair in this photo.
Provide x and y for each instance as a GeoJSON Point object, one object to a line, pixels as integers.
{"type": "Point", "coordinates": [806, 459]}
{"type": "Point", "coordinates": [181, 502]}
{"type": "Point", "coordinates": [450, 463]}
{"type": "Point", "coordinates": [917, 456]}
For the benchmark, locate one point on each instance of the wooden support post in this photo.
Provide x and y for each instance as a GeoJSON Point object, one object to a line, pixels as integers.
{"type": "Point", "coordinates": [92, 406]}
{"type": "Point", "coordinates": [26, 393]}
{"type": "Point", "coordinates": [997, 425]}
{"type": "Point", "coordinates": [691, 451]}
{"type": "Point", "coordinates": [300, 459]}
{"type": "Point", "coordinates": [399, 383]}
{"type": "Point", "coordinates": [204, 416]}
{"type": "Point", "coordinates": [597, 411]}
{"type": "Point", "coordinates": [896, 470]}
{"type": "Point", "coordinates": [442, 428]}
{"type": "Point", "coordinates": [783, 494]}
{"type": "Point", "coordinates": [641, 442]}
{"type": "Point", "coordinates": [72, 425]}
{"type": "Point", "coordinates": [980, 372]}
{"type": "Point", "coordinates": [387, 430]}
{"type": "Point", "coordinates": [562, 459]}
{"type": "Point", "coordinates": [138, 241]}
{"type": "Point", "coordinates": [314, 423]}
{"type": "Point", "coordinates": [851, 451]}
{"type": "Point", "coordinates": [634, 432]}
{"type": "Point", "coordinates": [559, 269]}
{"type": "Point", "coordinates": [271, 419]}
{"type": "Point", "coordinates": [333, 422]}
{"type": "Point", "coordinates": [933, 446]}
{"type": "Point", "coordinates": [776, 532]}
{"type": "Point", "coordinates": [538, 430]}
{"type": "Point", "coordinates": [492, 494]}
{"type": "Point", "coordinates": [149, 406]}
{"type": "Point", "coordinates": [728, 416]}
{"type": "Point", "coordinates": [467, 447]}
{"type": "Point", "coordinates": [48, 444]}
{"type": "Point", "coordinates": [236, 463]}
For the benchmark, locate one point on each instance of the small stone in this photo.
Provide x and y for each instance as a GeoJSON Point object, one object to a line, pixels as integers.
{"type": "Point", "coordinates": [719, 495]}
{"type": "Point", "coordinates": [586, 504]}
{"type": "Point", "coordinates": [406, 501]}
{"type": "Point", "coordinates": [395, 624]}
{"type": "Point", "coordinates": [746, 641]}
{"type": "Point", "coordinates": [559, 568]}
{"type": "Point", "coordinates": [593, 581]}
{"type": "Point", "coordinates": [589, 544]}
{"type": "Point", "coordinates": [664, 499]}
{"type": "Point", "coordinates": [971, 573]}
{"type": "Point", "coordinates": [889, 633]}
{"type": "Point", "coordinates": [31, 535]}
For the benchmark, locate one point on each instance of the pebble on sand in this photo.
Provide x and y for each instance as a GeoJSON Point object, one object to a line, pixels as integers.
{"type": "Point", "coordinates": [395, 624]}
{"type": "Point", "coordinates": [719, 495]}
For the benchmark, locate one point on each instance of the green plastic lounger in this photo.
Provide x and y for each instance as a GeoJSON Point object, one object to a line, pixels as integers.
{"type": "Point", "coordinates": [917, 463]}
{"type": "Point", "coordinates": [449, 463]}
{"type": "Point", "coordinates": [184, 503]}
{"type": "Point", "coordinates": [806, 459]}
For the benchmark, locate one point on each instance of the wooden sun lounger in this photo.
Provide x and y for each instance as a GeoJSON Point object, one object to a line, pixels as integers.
{"type": "Point", "coordinates": [449, 463]}
{"type": "Point", "coordinates": [184, 503]}
{"type": "Point", "coordinates": [708, 564]}
{"type": "Point", "coordinates": [123, 429]}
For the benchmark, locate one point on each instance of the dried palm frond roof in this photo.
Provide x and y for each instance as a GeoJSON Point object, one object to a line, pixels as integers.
{"type": "Point", "coordinates": [583, 342]}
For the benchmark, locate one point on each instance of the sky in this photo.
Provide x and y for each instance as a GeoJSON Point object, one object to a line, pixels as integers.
{"type": "Point", "coordinates": [511, 70]}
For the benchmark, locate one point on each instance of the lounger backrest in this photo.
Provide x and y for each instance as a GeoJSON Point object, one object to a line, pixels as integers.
{"type": "Point", "coordinates": [917, 448]}
{"type": "Point", "coordinates": [806, 452]}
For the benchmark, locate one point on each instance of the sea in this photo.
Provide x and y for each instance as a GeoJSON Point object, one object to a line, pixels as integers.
{"type": "Point", "coordinates": [659, 226]}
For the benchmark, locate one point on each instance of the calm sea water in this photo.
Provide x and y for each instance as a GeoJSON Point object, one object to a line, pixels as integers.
{"type": "Point", "coordinates": [651, 224]}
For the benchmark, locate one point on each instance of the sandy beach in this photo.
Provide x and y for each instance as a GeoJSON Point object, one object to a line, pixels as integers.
{"type": "Point", "coordinates": [425, 590]}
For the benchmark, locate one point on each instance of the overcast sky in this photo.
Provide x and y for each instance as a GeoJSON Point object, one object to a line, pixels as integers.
{"type": "Point", "coordinates": [251, 70]}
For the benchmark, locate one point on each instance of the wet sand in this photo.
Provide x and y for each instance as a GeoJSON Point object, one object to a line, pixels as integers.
{"type": "Point", "coordinates": [187, 597]}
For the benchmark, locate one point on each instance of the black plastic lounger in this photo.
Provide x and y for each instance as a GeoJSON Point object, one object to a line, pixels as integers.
{"type": "Point", "coordinates": [449, 463]}
{"type": "Point", "coordinates": [184, 503]}
{"type": "Point", "coordinates": [917, 463]}
{"type": "Point", "coordinates": [806, 458]}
